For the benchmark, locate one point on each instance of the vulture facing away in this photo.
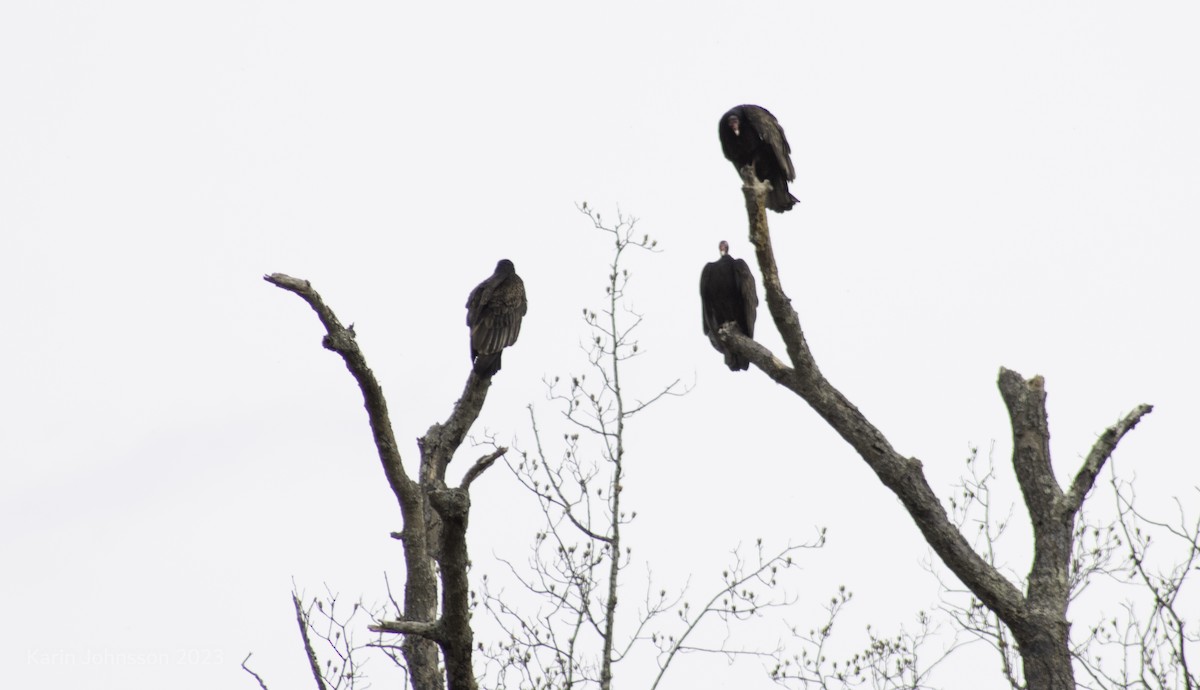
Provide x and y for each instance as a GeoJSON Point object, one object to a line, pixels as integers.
{"type": "Point", "coordinates": [727, 293]}
{"type": "Point", "coordinates": [494, 312]}
{"type": "Point", "coordinates": [751, 135]}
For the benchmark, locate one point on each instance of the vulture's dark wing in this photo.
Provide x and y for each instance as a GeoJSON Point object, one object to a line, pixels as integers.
{"type": "Point", "coordinates": [759, 141]}
{"type": "Point", "coordinates": [764, 123]}
{"type": "Point", "coordinates": [494, 311]}
{"type": "Point", "coordinates": [498, 319]}
{"type": "Point", "coordinates": [707, 294]}
{"type": "Point", "coordinates": [749, 294]}
{"type": "Point", "coordinates": [727, 293]}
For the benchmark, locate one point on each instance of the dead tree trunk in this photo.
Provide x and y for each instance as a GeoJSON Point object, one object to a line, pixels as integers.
{"type": "Point", "coordinates": [1037, 617]}
{"type": "Point", "coordinates": [435, 516]}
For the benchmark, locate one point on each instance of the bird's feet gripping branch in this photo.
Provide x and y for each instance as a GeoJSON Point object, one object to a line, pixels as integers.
{"type": "Point", "coordinates": [494, 312]}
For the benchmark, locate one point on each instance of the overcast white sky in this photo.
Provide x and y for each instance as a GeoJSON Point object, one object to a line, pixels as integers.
{"type": "Point", "coordinates": [982, 186]}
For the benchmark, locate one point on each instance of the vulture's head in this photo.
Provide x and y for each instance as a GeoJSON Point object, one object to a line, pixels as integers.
{"type": "Point", "coordinates": [734, 124]}
{"type": "Point", "coordinates": [723, 247]}
{"type": "Point", "coordinates": [505, 266]}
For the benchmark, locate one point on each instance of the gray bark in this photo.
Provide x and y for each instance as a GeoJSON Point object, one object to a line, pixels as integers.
{"type": "Point", "coordinates": [435, 518]}
{"type": "Point", "coordinates": [1037, 617]}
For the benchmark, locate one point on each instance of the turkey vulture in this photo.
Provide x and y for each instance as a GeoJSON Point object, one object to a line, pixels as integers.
{"type": "Point", "coordinates": [727, 293]}
{"type": "Point", "coordinates": [751, 135]}
{"type": "Point", "coordinates": [494, 312]}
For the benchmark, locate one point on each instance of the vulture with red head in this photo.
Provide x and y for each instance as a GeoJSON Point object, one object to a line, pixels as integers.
{"type": "Point", "coordinates": [494, 312]}
{"type": "Point", "coordinates": [728, 293]}
{"type": "Point", "coordinates": [751, 135]}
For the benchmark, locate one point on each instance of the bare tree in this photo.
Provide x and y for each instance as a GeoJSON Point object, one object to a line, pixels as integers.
{"type": "Point", "coordinates": [434, 517]}
{"type": "Point", "coordinates": [1148, 640]}
{"type": "Point", "coordinates": [581, 554]}
{"type": "Point", "coordinates": [1036, 617]}
{"type": "Point", "coordinates": [576, 631]}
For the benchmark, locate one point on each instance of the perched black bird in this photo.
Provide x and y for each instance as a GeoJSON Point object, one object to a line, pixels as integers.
{"type": "Point", "coordinates": [727, 293]}
{"type": "Point", "coordinates": [751, 135]}
{"type": "Point", "coordinates": [494, 312]}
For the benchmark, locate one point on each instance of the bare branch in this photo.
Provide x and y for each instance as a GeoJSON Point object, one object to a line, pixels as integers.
{"type": "Point", "coordinates": [736, 579]}
{"type": "Point", "coordinates": [733, 338]}
{"type": "Point", "coordinates": [904, 476]}
{"type": "Point", "coordinates": [786, 319]}
{"type": "Point", "coordinates": [481, 465]}
{"type": "Point", "coordinates": [1101, 451]}
{"type": "Point", "coordinates": [425, 629]}
{"type": "Point", "coordinates": [341, 340]}
{"type": "Point", "coordinates": [669, 389]}
{"type": "Point", "coordinates": [313, 664]}
{"type": "Point", "coordinates": [257, 677]}
{"type": "Point", "coordinates": [442, 439]}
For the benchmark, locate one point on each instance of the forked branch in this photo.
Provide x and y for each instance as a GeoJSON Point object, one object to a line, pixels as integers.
{"type": "Point", "coordinates": [341, 340]}
{"type": "Point", "coordinates": [1101, 452]}
{"type": "Point", "coordinates": [435, 518]}
{"type": "Point", "coordinates": [1037, 620]}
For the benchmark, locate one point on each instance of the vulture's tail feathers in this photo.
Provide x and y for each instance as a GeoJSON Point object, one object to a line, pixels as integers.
{"type": "Point", "coordinates": [780, 199]}
{"type": "Point", "coordinates": [487, 365]}
{"type": "Point", "coordinates": [736, 363]}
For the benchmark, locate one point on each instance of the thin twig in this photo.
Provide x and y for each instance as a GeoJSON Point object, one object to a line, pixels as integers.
{"type": "Point", "coordinates": [257, 677]}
